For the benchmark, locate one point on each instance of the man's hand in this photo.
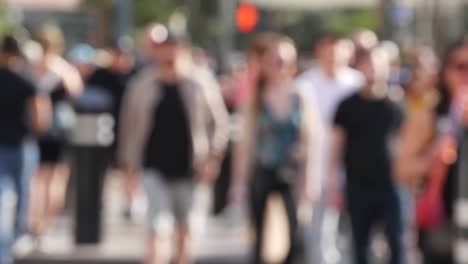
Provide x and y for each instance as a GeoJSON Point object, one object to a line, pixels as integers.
{"type": "Point", "coordinates": [447, 150]}
{"type": "Point", "coordinates": [208, 171]}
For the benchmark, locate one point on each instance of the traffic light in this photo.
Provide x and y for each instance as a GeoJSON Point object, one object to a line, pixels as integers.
{"type": "Point", "coordinates": [247, 17]}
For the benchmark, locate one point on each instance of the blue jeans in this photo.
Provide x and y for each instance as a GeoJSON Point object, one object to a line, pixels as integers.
{"type": "Point", "coordinates": [10, 172]}
{"type": "Point", "coordinates": [29, 166]}
{"type": "Point", "coordinates": [373, 205]}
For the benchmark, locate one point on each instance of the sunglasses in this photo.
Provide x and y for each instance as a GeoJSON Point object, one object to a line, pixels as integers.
{"type": "Point", "coordinates": [461, 66]}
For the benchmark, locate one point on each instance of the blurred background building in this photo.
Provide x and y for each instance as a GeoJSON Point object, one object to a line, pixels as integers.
{"type": "Point", "coordinates": [404, 21]}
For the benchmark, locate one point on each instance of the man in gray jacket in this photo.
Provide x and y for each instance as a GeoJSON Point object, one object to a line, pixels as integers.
{"type": "Point", "coordinates": [174, 128]}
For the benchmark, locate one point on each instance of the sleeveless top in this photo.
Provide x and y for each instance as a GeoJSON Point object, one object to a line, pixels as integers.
{"type": "Point", "coordinates": [277, 139]}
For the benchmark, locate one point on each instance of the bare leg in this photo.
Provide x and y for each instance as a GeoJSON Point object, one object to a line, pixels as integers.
{"type": "Point", "coordinates": [156, 251]}
{"type": "Point", "coordinates": [151, 257]}
{"type": "Point", "coordinates": [57, 191]}
{"type": "Point", "coordinates": [184, 255]}
{"type": "Point", "coordinates": [48, 196]}
{"type": "Point", "coordinates": [39, 198]}
{"type": "Point", "coordinates": [131, 188]}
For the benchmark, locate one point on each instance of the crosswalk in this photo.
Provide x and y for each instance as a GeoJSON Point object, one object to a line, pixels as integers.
{"type": "Point", "coordinates": [224, 240]}
{"type": "Point", "coordinates": [124, 241]}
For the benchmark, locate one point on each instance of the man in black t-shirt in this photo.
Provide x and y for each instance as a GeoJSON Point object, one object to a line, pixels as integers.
{"type": "Point", "coordinates": [22, 111]}
{"type": "Point", "coordinates": [365, 127]}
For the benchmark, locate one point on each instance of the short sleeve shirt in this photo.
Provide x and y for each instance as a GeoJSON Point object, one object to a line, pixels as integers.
{"type": "Point", "coordinates": [15, 92]}
{"type": "Point", "coordinates": [169, 147]}
{"type": "Point", "coordinates": [371, 127]}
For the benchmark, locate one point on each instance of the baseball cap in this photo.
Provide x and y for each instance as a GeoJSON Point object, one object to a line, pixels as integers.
{"type": "Point", "coordinates": [82, 54]}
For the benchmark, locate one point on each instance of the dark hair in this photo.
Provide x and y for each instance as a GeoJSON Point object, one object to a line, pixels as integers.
{"type": "Point", "coordinates": [361, 55]}
{"type": "Point", "coordinates": [11, 46]}
{"type": "Point", "coordinates": [326, 39]}
{"type": "Point", "coordinates": [261, 42]}
{"type": "Point", "coordinates": [444, 93]}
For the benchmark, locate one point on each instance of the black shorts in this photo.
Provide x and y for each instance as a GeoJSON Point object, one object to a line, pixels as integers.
{"type": "Point", "coordinates": [51, 151]}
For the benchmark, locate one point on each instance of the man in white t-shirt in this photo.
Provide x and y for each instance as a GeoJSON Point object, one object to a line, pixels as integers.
{"type": "Point", "coordinates": [329, 81]}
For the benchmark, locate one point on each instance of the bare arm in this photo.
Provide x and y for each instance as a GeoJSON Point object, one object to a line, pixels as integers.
{"type": "Point", "coordinates": [242, 155]}
{"type": "Point", "coordinates": [312, 136]}
{"type": "Point", "coordinates": [40, 113]}
{"type": "Point", "coordinates": [337, 145]}
{"type": "Point", "coordinates": [414, 151]}
{"type": "Point", "coordinates": [72, 81]}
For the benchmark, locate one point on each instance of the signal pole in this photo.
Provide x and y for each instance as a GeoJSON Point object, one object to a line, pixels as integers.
{"type": "Point", "coordinates": [226, 10]}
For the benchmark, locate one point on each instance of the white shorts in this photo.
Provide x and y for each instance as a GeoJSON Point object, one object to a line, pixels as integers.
{"type": "Point", "coordinates": [169, 202]}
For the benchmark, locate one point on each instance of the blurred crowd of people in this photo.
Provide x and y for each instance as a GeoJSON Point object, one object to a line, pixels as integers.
{"type": "Point", "coordinates": [360, 138]}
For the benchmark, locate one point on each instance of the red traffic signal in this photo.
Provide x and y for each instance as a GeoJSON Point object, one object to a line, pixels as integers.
{"type": "Point", "coordinates": [247, 17]}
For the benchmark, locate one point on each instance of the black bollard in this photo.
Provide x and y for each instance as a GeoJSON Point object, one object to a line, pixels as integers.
{"type": "Point", "coordinates": [91, 141]}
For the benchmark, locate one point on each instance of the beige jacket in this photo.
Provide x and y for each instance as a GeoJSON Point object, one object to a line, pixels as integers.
{"type": "Point", "coordinates": [207, 114]}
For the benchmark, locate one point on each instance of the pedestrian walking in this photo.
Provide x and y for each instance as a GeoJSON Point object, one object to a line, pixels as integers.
{"type": "Point", "coordinates": [415, 154]}
{"type": "Point", "coordinates": [174, 130]}
{"type": "Point", "coordinates": [366, 127]}
{"type": "Point", "coordinates": [279, 144]}
{"type": "Point", "coordinates": [13, 59]}
{"type": "Point", "coordinates": [330, 81]}
{"type": "Point", "coordinates": [56, 78]}
{"type": "Point", "coordinates": [436, 199]}
{"type": "Point", "coordinates": [22, 111]}
{"type": "Point", "coordinates": [114, 79]}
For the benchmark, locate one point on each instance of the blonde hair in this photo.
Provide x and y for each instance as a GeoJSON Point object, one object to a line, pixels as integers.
{"type": "Point", "coordinates": [51, 38]}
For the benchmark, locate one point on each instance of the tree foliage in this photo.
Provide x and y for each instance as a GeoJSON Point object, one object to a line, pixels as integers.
{"type": "Point", "coordinates": [147, 11]}
{"type": "Point", "coordinates": [345, 22]}
{"type": "Point", "coordinates": [5, 24]}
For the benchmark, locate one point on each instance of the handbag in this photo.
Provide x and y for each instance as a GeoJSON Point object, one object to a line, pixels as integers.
{"type": "Point", "coordinates": [429, 204]}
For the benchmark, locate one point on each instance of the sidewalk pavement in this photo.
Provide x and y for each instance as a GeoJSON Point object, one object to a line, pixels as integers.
{"type": "Point", "coordinates": [124, 242]}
